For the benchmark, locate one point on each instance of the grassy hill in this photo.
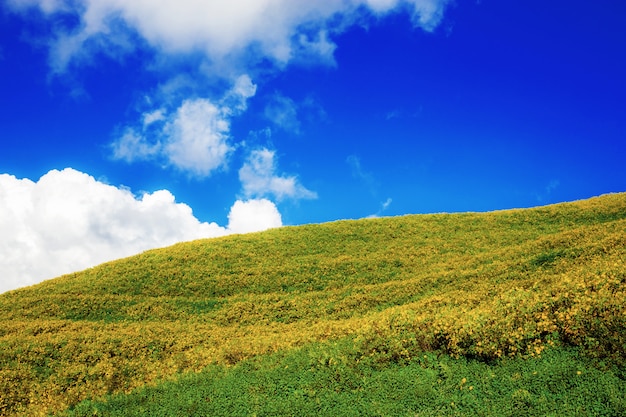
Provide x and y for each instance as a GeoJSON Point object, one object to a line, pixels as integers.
{"type": "Point", "coordinates": [517, 312]}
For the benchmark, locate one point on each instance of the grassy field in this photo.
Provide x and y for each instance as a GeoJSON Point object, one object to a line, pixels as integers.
{"type": "Point", "coordinates": [518, 312]}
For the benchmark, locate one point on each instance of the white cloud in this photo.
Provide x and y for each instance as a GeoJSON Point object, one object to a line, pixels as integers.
{"type": "Point", "coordinates": [68, 221]}
{"type": "Point", "coordinates": [259, 178]}
{"type": "Point", "coordinates": [220, 29]}
{"type": "Point", "coordinates": [253, 216]}
{"type": "Point", "coordinates": [133, 146]}
{"type": "Point", "coordinates": [195, 138]}
{"type": "Point", "coordinates": [236, 99]}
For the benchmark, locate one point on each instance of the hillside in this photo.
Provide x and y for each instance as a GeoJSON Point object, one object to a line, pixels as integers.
{"type": "Point", "coordinates": [476, 286]}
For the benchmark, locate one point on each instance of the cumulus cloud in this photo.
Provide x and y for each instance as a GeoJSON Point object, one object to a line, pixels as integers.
{"type": "Point", "coordinates": [278, 30]}
{"type": "Point", "coordinates": [253, 215]}
{"type": "Point", "coordinates": [195, 138]}
{"type": "Point", "coordinates": [259, 178]}
{"type": "Point", "coordinates": [68, 221]}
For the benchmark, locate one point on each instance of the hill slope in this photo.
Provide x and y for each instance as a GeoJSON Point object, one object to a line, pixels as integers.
{"type": "Point", "coordinates": [479, 285]}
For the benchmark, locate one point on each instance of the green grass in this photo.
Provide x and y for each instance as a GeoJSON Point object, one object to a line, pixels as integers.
{"type": "Point", "coordinates": [330, 380]}
{"type": "Point", "coordinates": [505, 293]}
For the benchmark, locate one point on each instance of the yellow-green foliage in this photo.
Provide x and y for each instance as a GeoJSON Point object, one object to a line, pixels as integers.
{"type": "Point", "coordinates": [484, 285]}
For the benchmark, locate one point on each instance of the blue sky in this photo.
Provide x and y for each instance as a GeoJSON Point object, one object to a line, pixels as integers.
{"type": "Point", "coordinates": [126, 126]}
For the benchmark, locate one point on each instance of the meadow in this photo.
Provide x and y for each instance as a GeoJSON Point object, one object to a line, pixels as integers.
{"type": "Point", "coordinates": [508, 313]}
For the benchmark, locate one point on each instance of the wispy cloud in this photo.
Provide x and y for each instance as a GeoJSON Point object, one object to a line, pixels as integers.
{"type": "Point", "coordinates": [259, 178]}
{"type": "Point", "coordinates": [283, 113]}
{"type": "Point", "coordinates": [383, 207]}
{"type": "Point", "coordinates": [359, 173]}
{"type": "Point", "coordinates": [392, 114]}
{"type": "Point", "coordinates": [547, 190]}
{"type": "Point", "coordinates": [290, 115]}
{"type": "Point", "coordinates": [68, 221]}
{"type": "Point", "coordinates": [552, 185]}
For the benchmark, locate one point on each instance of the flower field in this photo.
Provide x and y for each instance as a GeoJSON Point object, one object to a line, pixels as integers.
{"type": "Point", "coordinates": [353, 309]}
